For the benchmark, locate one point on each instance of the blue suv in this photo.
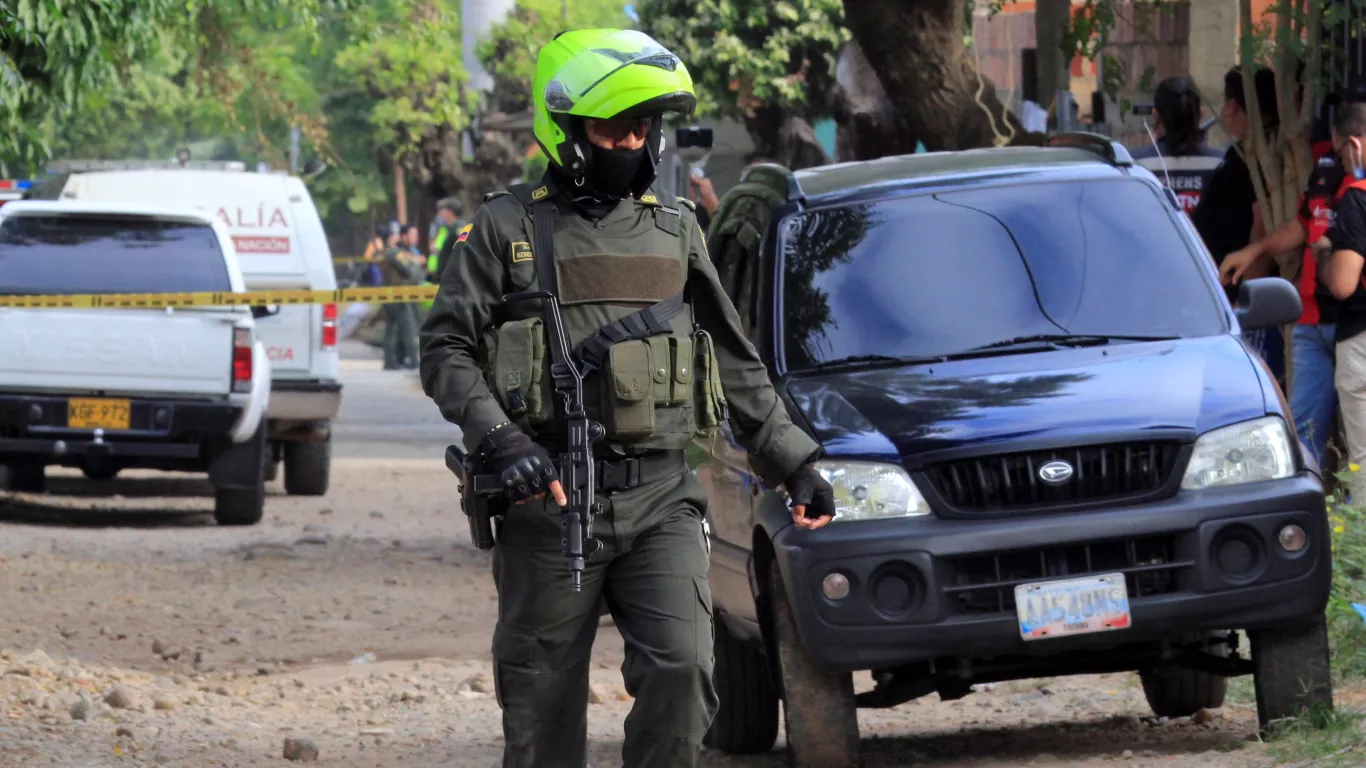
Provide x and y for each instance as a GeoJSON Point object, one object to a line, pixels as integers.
{"type": "Point", "coordinates": [1051, 450]}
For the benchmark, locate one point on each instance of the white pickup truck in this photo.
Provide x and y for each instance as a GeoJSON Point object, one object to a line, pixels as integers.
{"type": "Point", "coordinates": [102, 390]}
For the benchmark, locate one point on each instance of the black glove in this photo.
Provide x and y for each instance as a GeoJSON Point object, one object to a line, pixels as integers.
{"type": "Point", "coordinates": [806, 486]}
{"type": "Point", "coordinates": [525, 468]}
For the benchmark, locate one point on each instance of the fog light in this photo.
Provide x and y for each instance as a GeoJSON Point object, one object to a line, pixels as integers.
{"type": "Point", "coordinates": [835, 586]}
{"type": "Point", "coordinates": [1292, 538]}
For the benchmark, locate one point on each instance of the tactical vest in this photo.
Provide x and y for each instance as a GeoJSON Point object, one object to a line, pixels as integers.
{"type": "Point", "coordinates": [646, 392]}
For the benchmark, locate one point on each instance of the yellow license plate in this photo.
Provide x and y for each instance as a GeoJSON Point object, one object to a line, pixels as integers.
{"type": "Point", "coordinates": [97, 413]}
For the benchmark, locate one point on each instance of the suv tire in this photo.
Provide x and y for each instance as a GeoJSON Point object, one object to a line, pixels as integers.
{"type": "Point", "coordinates": [1291, 671]}
{"type": "Point", "coordinates": [100, 473]}
{"type": "Point", "coordinates": [746, 721]}
{"type": "Point", "coordinates": [819, 712]}
{"type": "Point", "coordinates": [1181, 692]}
{"type": "Point", "coordinates": [308, 468]}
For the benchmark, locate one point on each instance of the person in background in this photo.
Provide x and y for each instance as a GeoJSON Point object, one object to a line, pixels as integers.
{"type": "Point", "coordinates": [704, 194]}
{"type": "Point", "coordinates": [402, 265]}
{"type": "Point", "coordinates": [448, 219]}
{"type": "Point", "coordinates": [1313, 396]}
{"type": "Point", "coordinates": [1176, 122]}
{"type": "Point", "coordinates": [1341, 259]}
{"type": "Point", "coordinates": [1225, 215]}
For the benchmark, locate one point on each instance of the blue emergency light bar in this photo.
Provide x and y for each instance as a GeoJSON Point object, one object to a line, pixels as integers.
{"type": "Point", "coordinates": [11, 185]}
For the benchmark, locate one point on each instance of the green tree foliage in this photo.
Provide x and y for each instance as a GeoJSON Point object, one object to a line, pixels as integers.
{"type": "Point", "coordinates": [745, 55]}
{"type": "Point", "coordinates": [509, 53]}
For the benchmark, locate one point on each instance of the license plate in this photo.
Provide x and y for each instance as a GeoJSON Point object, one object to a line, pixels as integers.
{"type": "Point", "coordinates": [97, 413]}
{"type": "Point", "coordinates": [1072, 607]}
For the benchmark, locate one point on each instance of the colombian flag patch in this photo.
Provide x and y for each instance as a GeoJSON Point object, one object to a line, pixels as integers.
{"type": "Point", "coordinates": [464, 233]}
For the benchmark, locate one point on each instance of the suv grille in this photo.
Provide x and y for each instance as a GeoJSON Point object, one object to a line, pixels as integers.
{"type": "Point", "coordinates": [1012, 481]}
{"type": "Point", "coordinates": [978, 584]}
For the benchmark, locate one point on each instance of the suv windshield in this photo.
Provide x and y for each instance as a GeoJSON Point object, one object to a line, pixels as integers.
{"type": "Point", "coordinates": [41, 254]}
{"type": "Point", "coordinates": [934, 275]}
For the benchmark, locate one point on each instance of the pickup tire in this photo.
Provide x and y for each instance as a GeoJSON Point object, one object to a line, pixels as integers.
{"type": "Point", "coordinates": [27, 478]}
{"type": "Point", "coordinates": [239, 506]}
{"type": "Point", "coordinates": [819, 711]}
{"type": "Point", "coordinates": [308, 468]}
{"type": "Point", "coordinates": [1180, 692]}
{"type": "Point", "coordinates": [746, 721]}
{"type": "Point", "coordinates": [1291, 672]}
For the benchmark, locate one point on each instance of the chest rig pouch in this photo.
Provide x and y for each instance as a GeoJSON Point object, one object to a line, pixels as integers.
{"type": "Point", "coordinates": [647, 390]}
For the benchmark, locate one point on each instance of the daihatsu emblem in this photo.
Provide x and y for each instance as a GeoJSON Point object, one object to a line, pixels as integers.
{"type": "Point", "coordinates": [1055, 472]}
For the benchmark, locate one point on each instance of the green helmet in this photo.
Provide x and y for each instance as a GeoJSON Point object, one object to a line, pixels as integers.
{"type": "Point", "coordinates": [602, 74]}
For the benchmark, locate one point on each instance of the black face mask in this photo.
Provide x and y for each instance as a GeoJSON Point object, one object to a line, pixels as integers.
{"type": "Point", "coordinates": [613, 170]}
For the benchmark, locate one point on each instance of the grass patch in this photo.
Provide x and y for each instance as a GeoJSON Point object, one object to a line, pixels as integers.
{"type": "Point", "coordinates": [1346, 629]}
{"type": "Point", "coordinates": [1322, 738]}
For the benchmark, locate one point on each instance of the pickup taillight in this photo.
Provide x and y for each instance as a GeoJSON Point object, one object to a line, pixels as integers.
{"type": "Point", "coordinates": [241, 360]}
{"type": "Point", "coordinates": [329, 326]}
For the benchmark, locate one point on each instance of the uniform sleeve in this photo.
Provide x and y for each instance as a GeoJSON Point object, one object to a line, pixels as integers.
{"type": "Point", "coordinates": [776, 445]}
{"type": "Point", "coordinates": [1348, 232]}
{"type": "Point", "coordinates": [466, 299]}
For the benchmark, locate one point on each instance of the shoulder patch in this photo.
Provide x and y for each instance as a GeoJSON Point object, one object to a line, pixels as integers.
{"type": "Point", "coordinates": [539, 193]}
{"type": "Point", "coordinates": [464, 233]}
{"type": "Point", "coordinates": [686, 202]}
{"type": "Point", "coordinates": [521, 252]}
{"type": "Point", "coordinates": [649, 199]}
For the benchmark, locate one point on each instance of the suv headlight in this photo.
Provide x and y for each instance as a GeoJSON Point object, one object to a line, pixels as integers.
{"type": "Point", "coordinates": [1255, 450]}
{"type": "Point", "coordinates": [871, 491]}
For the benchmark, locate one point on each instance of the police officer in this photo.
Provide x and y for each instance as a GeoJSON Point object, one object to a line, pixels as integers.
{"type": "Point", "coordinates": [599, 100]}
{"type": "Point", "coordinates": [448, 225]}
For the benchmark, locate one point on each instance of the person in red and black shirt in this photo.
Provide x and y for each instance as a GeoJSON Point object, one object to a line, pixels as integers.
{"type": "Point", "coordinates": [1342, 273]}
{"type": "Point", "coordinates": [1313, 396]}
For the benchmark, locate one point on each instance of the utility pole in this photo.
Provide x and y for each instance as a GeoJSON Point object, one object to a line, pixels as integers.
{"type": "Point", "coordinates": [294, 150]}
{"type": "Point", "coordinates": [400, 194]}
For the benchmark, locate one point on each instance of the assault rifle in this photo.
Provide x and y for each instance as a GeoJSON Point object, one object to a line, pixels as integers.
{"type": "Point", "coordinates": [575, 465]}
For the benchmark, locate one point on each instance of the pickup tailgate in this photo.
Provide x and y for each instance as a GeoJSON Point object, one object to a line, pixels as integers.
{"type": "Point", "coordinates": [134, 352]}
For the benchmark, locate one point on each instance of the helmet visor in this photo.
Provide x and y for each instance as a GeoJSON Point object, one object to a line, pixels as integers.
{"type": "Point", "coordinates": [640, 60]}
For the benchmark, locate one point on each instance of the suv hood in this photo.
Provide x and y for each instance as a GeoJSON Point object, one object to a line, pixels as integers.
{"type": "Point", "coordinates": [1057, 396]}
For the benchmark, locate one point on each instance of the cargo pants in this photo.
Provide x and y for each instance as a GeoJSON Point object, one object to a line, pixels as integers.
{"type": "Point", "coordinates": [652, 570]}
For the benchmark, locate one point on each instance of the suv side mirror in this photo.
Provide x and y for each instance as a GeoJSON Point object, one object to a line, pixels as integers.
{"type": "Point", "coordinates": [259, 312]}
{"type": "Point", "coordinates": [1267, 302]}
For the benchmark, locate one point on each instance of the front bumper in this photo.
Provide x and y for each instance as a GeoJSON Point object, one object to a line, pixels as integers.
{"type": "Point", "coordinates": [34, 427]}
{"type": "Point", "coordinates": [304, 400]}
{"type": "Point", "coordinates": [926, 588]}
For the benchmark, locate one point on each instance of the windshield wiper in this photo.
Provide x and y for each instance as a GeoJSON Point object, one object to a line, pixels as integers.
{"type": "Point", "coordinates": [869, 360]}
{"type": "Point", "coordinates": [1066, 339]}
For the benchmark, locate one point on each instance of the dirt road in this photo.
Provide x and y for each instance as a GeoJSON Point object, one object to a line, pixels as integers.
{"type": "Point", "coordinates": [138, 633]}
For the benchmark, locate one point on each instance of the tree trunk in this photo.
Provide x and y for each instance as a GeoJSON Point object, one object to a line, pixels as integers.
{"type": "Point", "coordinates": [1051, 21]}
{"type": "Point", "coordinates": [917, 48]}
{"type": "Point", "coordinates": [868, 123]}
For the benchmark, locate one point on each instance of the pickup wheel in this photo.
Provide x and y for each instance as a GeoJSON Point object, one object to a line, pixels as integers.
{"type": "Point", "coordinates": [819, 711]}
{"type": "Point", "coordinates": [308, 468]}
{"type": "Point", "coordinates": [1291, 672]}
{"type": "Point", "coordinates": [1181, 692]}
{"type": "Point", "coordinates": [746, 719]}
{"type": "Point", "coordinates": [239, 506]}
{"type": "Point", "coordinates": [27, 478]}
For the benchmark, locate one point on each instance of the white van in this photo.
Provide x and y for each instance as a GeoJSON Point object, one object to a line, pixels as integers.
{"type": "Point", "coordinates": [281, 245]}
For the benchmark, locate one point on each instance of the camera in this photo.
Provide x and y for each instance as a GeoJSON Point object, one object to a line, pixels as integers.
{"type": "Point", "coordinates": [700, 138]}
{"type": "Point", "coordinates": [1142, 110]}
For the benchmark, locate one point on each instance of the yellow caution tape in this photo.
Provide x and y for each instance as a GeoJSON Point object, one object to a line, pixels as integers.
{"type": "Point", "coordinates": [391, 295]}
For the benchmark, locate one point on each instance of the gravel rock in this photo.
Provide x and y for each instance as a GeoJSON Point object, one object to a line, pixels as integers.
{"type": "Point", "coordinates": [480, 683]}
{"type": "Point", "coordinates": [1203, 717]}
{"type": "Point", "coordinates": [301, 750]}
{"type": "Point", "coordinates": [81, 709]}
{"type": "Point", "coordinates": [119, 697]}
{"type": "Point", "coordinates": [164, 702]}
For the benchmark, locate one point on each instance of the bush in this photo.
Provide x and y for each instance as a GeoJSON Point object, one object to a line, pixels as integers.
{"type": "Point", "coordinates": [1346, 627]}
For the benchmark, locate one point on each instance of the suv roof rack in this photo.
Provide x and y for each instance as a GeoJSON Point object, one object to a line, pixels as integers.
{"type": "Point", "coordinates": [78, 166]}
{"type": "Point", "coordinates": [1107, 148]}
